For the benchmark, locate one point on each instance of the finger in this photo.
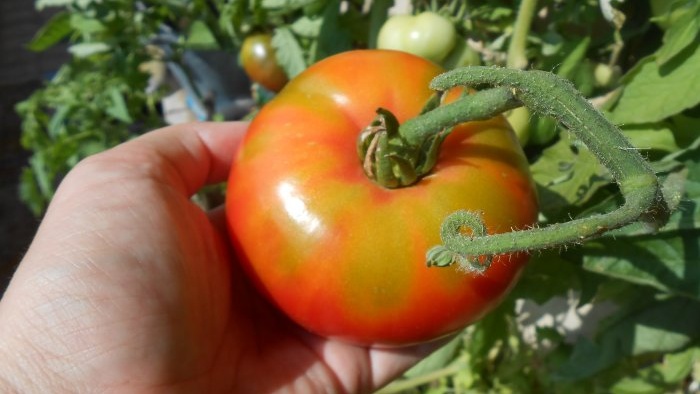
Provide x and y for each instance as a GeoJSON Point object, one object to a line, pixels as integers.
{"type": "Point", "coordinates": [217, 217]}
{"type": "Point", "coordinates": [185, 156]}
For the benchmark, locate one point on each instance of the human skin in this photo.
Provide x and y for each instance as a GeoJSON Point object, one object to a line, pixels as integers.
{"type": "Point", "coordinates": [129, 286]}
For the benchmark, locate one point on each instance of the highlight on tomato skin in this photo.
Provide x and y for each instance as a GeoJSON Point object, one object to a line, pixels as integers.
{"type": "Point", "coordinates": [257, 56]}
{"type": "Point", "coordinates": [344, 257]}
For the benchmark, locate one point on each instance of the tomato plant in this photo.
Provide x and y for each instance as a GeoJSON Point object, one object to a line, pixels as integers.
{"type": "Point", "coordinates": [343, 256]}
{"type": "Point", "coordinates": [427, 34]}
{"type": "Point", "coordinates": [260, 63]}
{"type": "Point", "coordinates": [649, 279]}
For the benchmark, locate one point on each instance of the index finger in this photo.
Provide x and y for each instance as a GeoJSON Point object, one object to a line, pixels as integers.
{"type": "Point", "coordinates": [188, 156]}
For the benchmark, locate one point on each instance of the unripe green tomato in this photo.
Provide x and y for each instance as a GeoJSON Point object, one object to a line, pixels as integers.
{"type": "Point", "coordinates": [605, 75]}
{"type": "Point", "coordinates": [543, 130]}
{"type": "Point", "coordinates": [461, 56]}
{"type": "Point", "coordinates": [519, 119]}
{"type": "Point", "coordinates": [428, 35]}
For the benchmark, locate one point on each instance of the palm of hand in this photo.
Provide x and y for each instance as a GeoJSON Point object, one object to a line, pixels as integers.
{"type": "Point", "coordinates": [129, 286]}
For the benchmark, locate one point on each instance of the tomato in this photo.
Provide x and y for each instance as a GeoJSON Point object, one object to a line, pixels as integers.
{"type": "Point", "coordinates": [260, 63]}
{"type": "Point", "coordinates": [339, 254]}
{"type": "Point", "coordinates": [427, 34]}
{"type": "Point", "coordinates": [519, 120]}
{"type": "Point", "coordinates": [605, 75]}
{"type": "Point", "coordinates": [461, 56]}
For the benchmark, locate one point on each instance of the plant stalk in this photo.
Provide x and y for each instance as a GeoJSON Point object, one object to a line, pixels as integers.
{"type": "Point", "coordinates": [482, 105]}
{"type": "Point", "coordinates": [549, 95]}
{"type": "Point", "coordinates": [517, 57]}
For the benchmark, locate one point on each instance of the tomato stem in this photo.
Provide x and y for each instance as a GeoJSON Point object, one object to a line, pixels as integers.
{"type": "Point", "coordinates": [549, 95]}
{"type": "Point", "coordinates": [482, 105]}
{"type": "Point", "coordinates": [396, 155]}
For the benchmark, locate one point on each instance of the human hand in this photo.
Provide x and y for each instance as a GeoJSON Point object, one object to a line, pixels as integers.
{"type": "Point", "coordinates": [128, 286]}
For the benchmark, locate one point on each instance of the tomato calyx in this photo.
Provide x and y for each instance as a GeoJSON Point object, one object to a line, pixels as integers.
{"type": "Point", "coordinates": [389, 159]}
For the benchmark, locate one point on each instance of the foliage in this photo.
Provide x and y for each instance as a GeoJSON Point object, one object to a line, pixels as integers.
{"type": "Point", "coordinates": [636, 60]}
{"type": "Point", "coordinates": [101, 97]}
{"type": "Point", "coordinates": [648, 284]}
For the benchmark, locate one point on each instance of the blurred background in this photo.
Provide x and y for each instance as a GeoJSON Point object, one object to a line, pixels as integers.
{"type": "Point", "coordinates": [21, 72]}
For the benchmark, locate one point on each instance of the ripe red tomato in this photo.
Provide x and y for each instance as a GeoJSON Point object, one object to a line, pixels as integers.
{"type": "Point", "coordinates": [260, 63]}
{"type": "Point", "coordinates": [344, 257]}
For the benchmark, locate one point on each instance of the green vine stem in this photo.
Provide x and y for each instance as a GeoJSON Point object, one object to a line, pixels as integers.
{"type": "Point", "coordinates": [396, 155]}
{"type": "Point", "coordinates": [548, 95]}
{"type": "Point", "coordinates": [399, 155]}
{"type": "Point", "coordinates": [518, 41]}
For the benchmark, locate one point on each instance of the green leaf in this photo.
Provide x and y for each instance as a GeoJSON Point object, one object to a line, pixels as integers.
{"type": "Point", "coordinates": [332, 38]}
{"type": "Point", "coordinates": [637, 386]}
{"type": "Point", "coordinates": [662, 377]}
{"type": "Point", "coordinates": [378, 15]}
{"type": "Point", "coordinates": [286, 4]}
{"type": "Point", "coordinates": [201, 37]}
{"type": "Point", "coordinates": [43, 179]}
{"type": "Point", "coordinates": [668, 261]}
{"type": "Point", "coordinates": [41, 4]}
{"type": "Point", "coordinates": [29, 192]}
{"type": "Point", "coordinates": [651, 137]}
{"type": "Point", "coordinates": [488, 333]}
{"type": "Point", "coordinates": [551, 43]}
{"type": "Point", "coordinates": [546, 275]}
{"type": "Point", "coordinates": [289, 52]}
{"type": "Point", "coordinates": [686, 129]}
{"type": "Point", "coordinates": [438, 359]}
{"type": "Point", "coordinates": [57, 123]}
{"type": "Point", "coordinates": [87, 49]}
{"type": "Point", "coordinates": [232, 18]}
{"type": "Point", "coordinates": [574, 58]}
{"type": "Point", "coordinates": [119, 109]}
{"type": "Point", "coordinates": [649, 326]}
{"type": "Point", "coordinates": [56, 29]}
{"type": "Point", "coordinates": [86, 25]}
{"type": "Point", "coordinates": [440, 256]}
{"type": "Point", "coordinates": [307, 27]}
{"type": "Point", "coordinates": [677, 366]}
{"type": "Point", "coordinates": [681, 33]}
{"type": "Point", "coordinates": [567, 174]}
{"type": "Point", "coordinates": [653, 93]}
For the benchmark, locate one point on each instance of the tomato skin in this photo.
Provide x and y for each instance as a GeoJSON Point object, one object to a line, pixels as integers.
{"type": "Point", "coordinates": [260, 63]}
{"type": "Point", "coordinates": [344, 257]}
{"type": "Point", "coordinates": [427, 34]}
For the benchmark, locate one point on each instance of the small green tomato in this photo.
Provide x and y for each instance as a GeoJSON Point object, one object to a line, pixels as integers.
{"type": "Point", "coordinates": [519, 119]}
{"type": "Point", "coordinates": [605, 75]}
{"type": "Point", "coordinates": [427, 34]}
